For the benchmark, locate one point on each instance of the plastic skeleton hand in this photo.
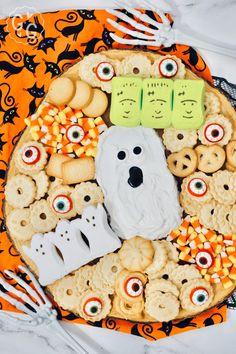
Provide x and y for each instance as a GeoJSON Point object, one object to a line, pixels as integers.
{"type": "Point", "coordinates": [161, 33]}
{"type": "Point", "coordinates": [42, 311]}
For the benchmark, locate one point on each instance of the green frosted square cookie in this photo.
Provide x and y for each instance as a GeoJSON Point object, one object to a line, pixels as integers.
{"type": "Point", "coordinates": [126, 101]}
{"type": "Point", "coordinates": [188, 109]}
{"type": "Point", "coordinates": [157, 103]}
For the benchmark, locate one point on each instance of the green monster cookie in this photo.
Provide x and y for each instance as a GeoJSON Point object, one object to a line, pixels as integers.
{"type": "Point", "coordinates": [157, 103]}
{"type": "Point", "coordinates": [126, 101]}
{"type": "Point", "coordinates": [188, 109]}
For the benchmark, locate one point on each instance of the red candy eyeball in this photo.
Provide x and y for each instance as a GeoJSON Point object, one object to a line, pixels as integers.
{"type": "Point", "coordinates": [75, 133]}
{"type": "Point", "coordinates": [104, 71]}
{"type": "Point", "coordinates": [197, 187]}
{"type": "Point", "coordinates": [92, 307]}
{"type": "Point", "coordinates": [199, 296]}
{"type": "Point", "coordinates": [168, 67]}
{"type": "Point", "coordinates": [214, 132]}
{"type": "Point", "coordinates": [204, 259]}
{"type": "Point", "coordinates": [31, 155]}
{"type": "Point", "coordinates": [62, 204]}
{"type": "Point", "coordinates": [133, 287]}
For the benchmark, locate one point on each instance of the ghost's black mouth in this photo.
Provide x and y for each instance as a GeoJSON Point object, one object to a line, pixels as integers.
{"type": "Point", "coordinates": [135, 177]}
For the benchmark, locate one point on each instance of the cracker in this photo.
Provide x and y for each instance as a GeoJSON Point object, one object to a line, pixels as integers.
{"type": "Point", "coordinates": [78, 170]}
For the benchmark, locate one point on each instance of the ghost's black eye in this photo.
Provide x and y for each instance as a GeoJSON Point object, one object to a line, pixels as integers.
{"type": "Point", "coordinates": [121, 155]}
{"type": "Point", "coordinates": [137, 150]}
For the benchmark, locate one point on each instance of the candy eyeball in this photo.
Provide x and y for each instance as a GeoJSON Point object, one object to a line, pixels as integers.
{"type": "Point", "coordinates": [31, 155]}
{"type": "Point", "coordinates": [204, 259]}
{"type": "Point", "coordinates": [92, 307]}
{"type": "Point", "coordinates": [75, 133]}
{"type": "Point", "coordinates": [104, 71]}
{"type": "Point", "coordinates": [214, 133]}
{"type": "Point", "coordinates": [197, 187]}
{"type": "Point", "coordinates": [168, 67]}
{"type": "Point", "coordinates": [62, 204]}
{"type": "Point", "coordinates": [133, 287]}
{"type": "Point", "coordinates": [199, 296]}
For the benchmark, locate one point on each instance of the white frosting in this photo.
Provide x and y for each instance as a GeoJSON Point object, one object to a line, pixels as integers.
{"type": "Point", "coordinates": [150, 210]}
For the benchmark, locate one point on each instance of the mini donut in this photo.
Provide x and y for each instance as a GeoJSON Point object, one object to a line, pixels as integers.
{"type": "Point", "coordinates": [97, 105]}
{"type": "Point", "coordinates": [19, 225]}
{"type": "Point", "coordinates": [222, 185]}
{"type": "Point", "coordinates": [183, 274]}
{"type": "Point", "coordinates": [136, 65]}
{"type": "Point", "coordinates": [61, 202]}
{"type": "Point", "coordinates": [162, 307]}
{"type": "Point", "coordinates": [41, 216]}
{"type": "Point", "coordinates": [211, 103]}
{"type": "Point", "coordinates": [168, 66]}
{"type": "Point", "coordinates": [20, 191]}
{"type": "Point", "coordinates": [30, 158]}
{"type": "Point", "coordinates": [127, 310]}
{"type": "Point", "coordinates": [61, 91]}
{"type": "Point", "coordinates": [217, 129]}
{"type": "Point", "coordinates": [206, 214]}
{"type": "Point", "coordinates": [136, 254]}
{"type": "Point", "coordinates": [177, 139]}
{"type": "Point", "coordinates": [93, 305]}
{"type": "Point", "coordinates": [164, 273]}
{"type": "Point", "coordinates": [160, 258]}
{"type": "Point", "coordinates": [42, 184]}
{"type": "Point", "coordinates": [65, 292]}
{"type": "Point", "coordinates": [172, 252]}
{"type": "Point", "coordinates": [85, 194]}
{"type": "Point", "coordinates": [162, 285]}
{"type": "Point", "coordinates": [196, 295]}
{"type": "Point", "coordinates": [83, 278]}
{"type": "Point", "coordinates": [129, 286]}
{"type": "Point", "coordinates": [196, 187]}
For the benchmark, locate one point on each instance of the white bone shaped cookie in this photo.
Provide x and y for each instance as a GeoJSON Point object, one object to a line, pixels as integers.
{"type": "Point", "coordinates": [44, 254]}
{"type": "Point", "coordinates": [94, 225]}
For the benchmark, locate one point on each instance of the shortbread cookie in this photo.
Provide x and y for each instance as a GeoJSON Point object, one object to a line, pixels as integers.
{"type": "Point", "coordinates": [221, 219]}
{"type": "Point", "coordinates": [42, 184]}
{"type": "Point", "coordinates": [182, 163]}
{"type": "Point", "coordinates": [30, 158]}
{"type": "Point", "coordinates": [61, 91]}
{"type": "Point", "coordinates": [232, 218]}
{"type": "Point", "coordinates": [83, 278]}
{"type": "Point", "coordinates": [210, 158]}
{"type": "Point", "coordinates": [190, 206]}
{"type": "Point", "coordinates": [172, 253]}
{"type": "Point", "coordinates": [136, 254]}
{"type": "Point", "coordinates": [129, 286]}
{"type": "Point", "coordinates": [162, 285]}
{"type": "Point", "coordinates": [20, 191]}
{"type": "Point", "coordinates": [162, 307]}
{"type": "Point", "coordinates": [170, 67]}
{"type": "Point", "coordinates": [19, 225]}
{"type": "Point", "coordinates": [164, 273]}
{"type": "Point", "coordinates": [177, 139]}
{"type": "Point", "coordinates": [93, 305]}
{"type": "Point", "coordinates": [82, 96]}
{"type": "Point", "coordinates": [97, 105]}
{"type": "Point", "coordinates": [54, 166]}
{"type": "Point", "coordinates": [85, 194]}
{"type": "Point", "coordinates": [223, 188]}
{"type": "Point", "coordinates": [78, 170]}
{"type": "Point", "coordinates": [65, 292]}
{"type": "Point", "coordinates": [61, 202]}
{"type": "Point", "coordinates": [135, 65]}
{"type": "Point", "coordinates": [217, 129]}
{"type": "Point", "coordinates": [160, 258]}
{"type": "Point", "coordinates": [42, 217]}
{"type": "Point", "coordinates": [211, 103]}
{"type": "Point", "coordinates": [206, 214]}
{"type": "Point", "coordinates": [231, 153]}
{"type": "Point", "coordinates": [183, 274]}
{"type": "Point", "coordinates": [128, 310]}
{"type": "Point", "coordinates": [197, 187]}
{"type": "Point", "coordinates": [196, 295]}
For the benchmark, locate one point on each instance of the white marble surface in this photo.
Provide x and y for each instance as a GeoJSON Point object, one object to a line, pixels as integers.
{"type": "Point", "coordinates": [217, 19]}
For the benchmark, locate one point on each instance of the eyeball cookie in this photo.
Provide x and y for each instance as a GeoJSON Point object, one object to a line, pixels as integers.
{"type": "Point", "coordinates": [159, 259]}
{"type": "Point", "coordinates": [196, 295]}
{"type": "Point", "coordinates": [217, 129]}
{"type": "Point", "coordinates": [168, 66]}
{"type": "Point", "coordinates": [136, 254]}
{"type": "Point", "coordinates": [126, 309]}
{"type": "Point", "coordinates": [41, 216]}
{"type": "Point", "coordinates": [19, 225]}
{"type": "Point", "coordinates": [30, 158]}
{"type": "Point", "coordinates": [135, 65]}
{"type": "Point", "coordinates": [183, 274]}
{"type": "Point", "coordinates": [20, 191]}
{"type": "Point", "coordinates": [93, 305]}
{"type": "Point", "coordinates": [196, 187]}
{"type": "Point", "coordinates": [65, 292]}
{"type": "Point", "coordinates": [162, 307]}
{"type": "Point", "coordinates": [211, 103]}
{"type": "Point", "coordinates": [222, 185]}
{"type": "Point", "coordinates": [61, 202]}
{"type": "Point", "coordinates": [177, 139]}
{"type": "Point", "coordinates": [85, 194]}
{"type": "Point", "coordinates": [130, 286]}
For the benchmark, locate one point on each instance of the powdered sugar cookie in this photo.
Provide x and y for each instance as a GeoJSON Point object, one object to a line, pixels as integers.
{"type": "Point", "coordinates": [65, 292]}
{"type": "Point", "coordinates": [196, 295]}
{"type": "Point", "coordinates": [183, 274]}
{"type": "Point", "coordinates": [159, 259]}
{"type": "Point", "coordinates": [135, 65]}
{"type": "Point", "coordinates": [83, 278]}
{"type": "Point", "coordinates": [217, 129]}
{"type": "Point", "coordinates": [130, 286]}
{"type": "Point", "coordinates": [126, 309]}
{"type": "Point", "coordinates": [162, 307]}
{"type": "Point", "coordinates": [30, 158]}
{"type": "Point", "coordinates": [61, 202]}
{"type": "Point", "coordinates": [42, 184]}
{"type": "Point", "coordinates": [162, 285]}
{"type": "Point", "coordinates": [211, 103]}
{"type": "Point", "coordinates": [222, 187]}
{"type": "Point", "coordinates": [177, 139]}
{"type": "Point", "coordinates": [18, 223]}
{"type": "Point", "coordinates": [136, 254]}
{"type": "Point", "coordinates": [20, 191]}
{"type": "Point", "coordinates": [85, 194]}
{"type": "Point", "coordinates": [42, 217]}
{"type": "Point", "coordinates": [168, 66]}
{"type": "Point", "coordinates": [93, 305]}
{"type": "Point", "coordinates": [206, 214]}
{"type": "Point", "coordinates": [197, 187]}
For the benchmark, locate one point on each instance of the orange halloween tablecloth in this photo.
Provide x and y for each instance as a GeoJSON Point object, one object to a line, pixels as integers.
{"type": "Point", "coordinates": [33, 50]}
